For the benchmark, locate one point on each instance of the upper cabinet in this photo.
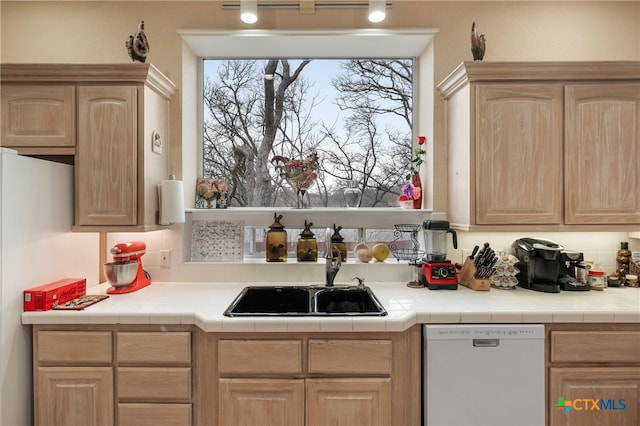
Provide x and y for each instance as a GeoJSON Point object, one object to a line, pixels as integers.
{"type": "Point", "coordinates": [114, 122]}
{"type": "Point", "coordinates": [602, 134]}
{"type": "Point", "coordinates": [39, 118]}
{"type": "Point", "coordinates": [543, 145]}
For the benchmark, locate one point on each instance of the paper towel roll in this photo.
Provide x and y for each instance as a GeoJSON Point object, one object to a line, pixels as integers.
{"type": "Point", "coordinates": [171, 202]}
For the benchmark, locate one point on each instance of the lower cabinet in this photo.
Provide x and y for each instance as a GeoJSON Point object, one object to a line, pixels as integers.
{"type": "Point", "coordinates": [357, 402]}
{"type": "Point", "coordinates": [319, 379]}
{"type": "Point", "coordinates": [594, 374]}
{"type": "Point", "coordinates": [112, 375]}
{"type": "Point", "coordinates": [311, 402]}
{"type": "Point", "coordinates": [177, 376]}
{"type": "Point", "coordinates": [74, 396]}
{"type": "Point", "coordinates": [261, 401]}
{"type": "Point", "coordinates": [594, 396]}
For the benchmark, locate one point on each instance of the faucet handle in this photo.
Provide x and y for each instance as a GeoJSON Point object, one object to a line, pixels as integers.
{"type": "Point", "coordinates": [360, 281]}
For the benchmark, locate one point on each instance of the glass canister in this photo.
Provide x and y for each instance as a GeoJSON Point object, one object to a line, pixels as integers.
{"type": "Point", "coordinates": [276, 250]}
{"type": "Point", "coordinates": [596, 279]}
{"type": "Point", "coordinates": [307, 248]}
{"type": "Point", "coordinates": [631, 280]}
{"type": "Point", "coordinates": [338, 242]}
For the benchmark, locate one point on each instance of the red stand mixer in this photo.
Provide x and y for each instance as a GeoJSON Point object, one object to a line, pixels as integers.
{"type": "Point", "coordinates": [437, 271]}
{"type": "Point", "coordinates": [125, 273]}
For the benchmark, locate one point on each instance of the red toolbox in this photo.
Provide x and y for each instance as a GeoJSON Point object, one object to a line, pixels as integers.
{"type": "Point", "coordinates": [48, 296]}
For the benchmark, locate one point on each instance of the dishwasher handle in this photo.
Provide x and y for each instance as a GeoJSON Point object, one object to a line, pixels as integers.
{"type": "Point", "coordinates": [486, 343]}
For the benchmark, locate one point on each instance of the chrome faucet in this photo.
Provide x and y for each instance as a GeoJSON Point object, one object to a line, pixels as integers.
{"type": "Point", "coordinates": [333, 261]}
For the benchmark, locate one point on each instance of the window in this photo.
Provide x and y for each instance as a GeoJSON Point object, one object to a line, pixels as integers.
{"type": "Point", "coordinates": [320, 44]}
{"type": "Point", "coordinates": [282, 129]}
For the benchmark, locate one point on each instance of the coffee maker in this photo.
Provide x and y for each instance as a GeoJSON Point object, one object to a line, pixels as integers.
{"type": "Point", "coordinates": [539, 264]}
{"type": "Point", "coordinates": [437, 271]}
{"type": "Point", "coordinates": [570, 262]}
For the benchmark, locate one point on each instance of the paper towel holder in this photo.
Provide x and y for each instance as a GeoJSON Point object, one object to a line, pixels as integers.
{"type": "Point", "coordinates": [171, 204]}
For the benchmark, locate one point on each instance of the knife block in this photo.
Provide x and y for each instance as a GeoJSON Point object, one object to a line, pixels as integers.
{"type": "Point", "coordinates": [467, 277]}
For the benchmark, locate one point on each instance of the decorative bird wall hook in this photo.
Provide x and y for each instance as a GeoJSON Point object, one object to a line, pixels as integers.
{"type": "Point", "coordinates": [478, 44]}
{"type": "Point", "coordinates": [138, 45]}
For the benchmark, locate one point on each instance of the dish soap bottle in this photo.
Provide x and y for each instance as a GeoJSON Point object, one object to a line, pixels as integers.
{"type": "Point", "coordinates": [338, 242]}
{"type": "Point", "coordinates": [276, 241]}
{"type": "Point", "coordinates": [307, 248]}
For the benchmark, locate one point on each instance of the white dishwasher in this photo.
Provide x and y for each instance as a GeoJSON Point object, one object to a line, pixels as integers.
{"type": "Point", "coordinates": [483, 375]}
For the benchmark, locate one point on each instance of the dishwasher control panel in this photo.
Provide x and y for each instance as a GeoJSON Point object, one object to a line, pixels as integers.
{"type": "Point", "coordinates": [451, 332]}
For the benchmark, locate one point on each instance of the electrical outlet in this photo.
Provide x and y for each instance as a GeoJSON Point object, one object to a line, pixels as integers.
{"type": "Point", "coordinates": [156, 142]}
{"type": "Point", "coordinates": [465, 253]}
{"type": "Point", "coordinates": [165, 258]}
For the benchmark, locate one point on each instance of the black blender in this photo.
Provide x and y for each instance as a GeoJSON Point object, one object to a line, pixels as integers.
{"type": "Point", "coordinates": [438, 271]}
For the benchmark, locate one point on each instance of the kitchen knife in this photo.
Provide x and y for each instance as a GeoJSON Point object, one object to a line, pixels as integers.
{"type": "Point", "coordinates": [474, 252]}
{"type": "Point", "coordinates": [481, 255]}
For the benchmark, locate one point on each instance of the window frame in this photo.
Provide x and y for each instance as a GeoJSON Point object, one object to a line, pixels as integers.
{"type": "Point", "coordinates": [199, 44]}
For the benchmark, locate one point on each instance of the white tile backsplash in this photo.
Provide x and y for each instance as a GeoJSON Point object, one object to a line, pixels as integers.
{"type": "Point", "coordinates": [599, 246]}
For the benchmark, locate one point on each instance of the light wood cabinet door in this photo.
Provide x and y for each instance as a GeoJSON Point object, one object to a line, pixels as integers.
{"type": "Point", "coordinates": [518, 154]}
{"type": "Point", "coordinates": [246, 402]}
{"type": "Point", "coordinates": [107, 154]}
{"type": "Point", "coordinates": [602, 153]}
{"type": "Point", "coordinates": [38, 116]}
{"type": "Point", "coordinates": [70, 396]}
{"type": "Point", "coordinates": [590, 396]}
{"type": "Point", "coordinates": [353, 402]}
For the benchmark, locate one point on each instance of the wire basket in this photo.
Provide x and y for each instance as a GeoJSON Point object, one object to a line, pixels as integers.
{"type": "Point", "coordinates": [407, 227]}
{"type": "Point", "coordinates": [407, 254]}
{"type": "Point", "coordinates": [402, 253]}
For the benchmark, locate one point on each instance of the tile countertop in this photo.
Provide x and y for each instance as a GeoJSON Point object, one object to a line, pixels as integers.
{"type": "Point", "coordinates": [202, 304]}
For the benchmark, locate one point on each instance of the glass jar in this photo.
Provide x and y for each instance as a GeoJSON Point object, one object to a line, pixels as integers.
{"type": "Point", "coordinates": [338, 242]}
{"type": "Point", "coordinates": [596, 279]}
{"type": "Point", "coordinates": [632, 280]}
{"type": "Point", "coordinates": [307, 249]}
{"type": "Point", "coordinates": [276, 250]}
{"type": "Point", "coordinates": [352, 194]}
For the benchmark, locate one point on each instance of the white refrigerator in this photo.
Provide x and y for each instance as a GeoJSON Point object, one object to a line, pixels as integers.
{"type": "Point", "coordinates": [36, 247]}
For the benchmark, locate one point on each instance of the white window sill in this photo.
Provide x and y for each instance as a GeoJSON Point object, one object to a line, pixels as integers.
{"type": "Point", "coordinates": [366, 217]}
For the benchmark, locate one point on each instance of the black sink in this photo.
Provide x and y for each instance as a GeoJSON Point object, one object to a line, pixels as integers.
{"type": "Point", "coordinates": [305, 301]}
{"type": "Point", "coordinates": [256, 301]}
{"type": "Point", "coordinates": [347, 301]}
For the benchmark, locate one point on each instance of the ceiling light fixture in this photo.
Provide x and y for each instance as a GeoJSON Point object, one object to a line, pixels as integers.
{"type": "Point", "coordinates": [249, 11]}
{"type": "Point", "coordinates": [377, 10]}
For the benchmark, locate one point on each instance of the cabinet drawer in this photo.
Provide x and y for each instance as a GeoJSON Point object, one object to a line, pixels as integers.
{"type": "Point", "coordinates": [74, 347]}
{"type": "Point", "coordinates": [156, 383]}
{"type": "Point", "coordinates": [586, 346]}
{"type": "Point", "coordinates": [260, 356]}
{"type": "Point", "coordinates": [350, 356]}
{"type": "Point", "coordinates": [154, 348]}
{"type": "Point", "coordinates": [154, 414]}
